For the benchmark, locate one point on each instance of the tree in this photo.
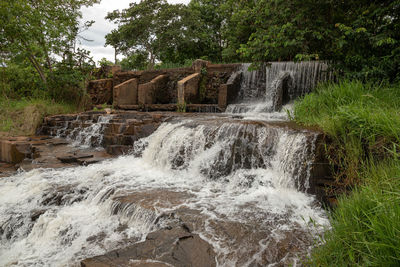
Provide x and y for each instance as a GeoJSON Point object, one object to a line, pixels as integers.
{"type": "Point", "coordinates": [148, 27]}
{"type": "Point", "coordinates": [135, 61]}
{"type": "Point", "coordinates": [359, 37]}
{"type": "Point", "coordinates": [287, 28]}
{"type": "Point", "coordinates": [368, 45]}
{"type": "Point", "coordinates": [39, 29]}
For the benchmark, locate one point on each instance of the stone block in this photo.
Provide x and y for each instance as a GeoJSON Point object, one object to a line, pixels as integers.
{"type": "Point", "coordinates": [113, 128]}
{"type": "Point", "coordinates": [100, 91]}
{"type": "Point", "coordinates": [126, 93]}
{"type": "Point", "coordinates": [228, 92]}
{"type": "Point", "coordinates": [188, 89]}
{"type": "Point", "coordinates": [199, 64]}
{"type": "Point", "coordinates": [13, 152]}
{"type": "Point", "coordinates": [223, 96]}
{"type": "Point", "coordinates": [117, 150]}
{"type": "Point", "coordinates": [148, 92]}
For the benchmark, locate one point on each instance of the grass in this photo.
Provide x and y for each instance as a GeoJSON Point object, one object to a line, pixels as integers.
{"type": "Point", "coordinates": [23, 116]}
{"type": "Point", "coordinates": [366, 224]}
{"type": "Point", "coordinates": [363, 123]}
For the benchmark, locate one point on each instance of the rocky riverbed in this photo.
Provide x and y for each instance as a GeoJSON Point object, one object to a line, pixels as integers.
{"type": "Point", "coordinates": [162, 189]}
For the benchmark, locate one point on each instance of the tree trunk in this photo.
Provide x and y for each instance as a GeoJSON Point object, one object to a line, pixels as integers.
{"type": "Point", "coordinates": [152, 60]}
{"type": "Point", "coordinates": [38, 68]}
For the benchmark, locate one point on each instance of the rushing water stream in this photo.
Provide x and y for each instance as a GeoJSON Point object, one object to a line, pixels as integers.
{"type": "Point", "coordinates": [267, 92]}
{"type": "Point", "coordinates": [240, 184]}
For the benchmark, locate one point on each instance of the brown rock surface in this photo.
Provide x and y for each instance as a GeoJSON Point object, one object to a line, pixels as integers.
{"type": "Point", "coordinates": [101, 91]}
{"type": "Point", "coordinates": [166, 247]}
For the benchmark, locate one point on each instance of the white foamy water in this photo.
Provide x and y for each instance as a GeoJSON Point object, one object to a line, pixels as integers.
{"type": "Point", "coordinates": [265, 93]}
{"type": "Point", "coordinates": [244, 178]}
{"type": "Point", "coordinates": [85, 134]}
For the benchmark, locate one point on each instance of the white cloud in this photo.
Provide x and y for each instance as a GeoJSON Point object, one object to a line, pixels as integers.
{"type": "Point", "coordinates": [101, 26]}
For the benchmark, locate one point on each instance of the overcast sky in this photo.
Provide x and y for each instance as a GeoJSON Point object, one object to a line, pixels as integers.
{"type": "Point", "coordinates": [101, 26]}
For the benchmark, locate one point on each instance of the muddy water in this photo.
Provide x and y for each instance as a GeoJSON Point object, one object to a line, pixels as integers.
{"type": "Point", "coordinates": [239, 185]}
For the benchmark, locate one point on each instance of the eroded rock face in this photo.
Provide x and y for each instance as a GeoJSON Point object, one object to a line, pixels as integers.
{"type": "Point", "coordinates": [166, 247]}
{"type": "Point", "coordinates": [101, 91]}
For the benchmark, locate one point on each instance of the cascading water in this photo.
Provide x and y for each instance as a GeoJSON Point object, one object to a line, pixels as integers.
{"type": "Point", "coordinates": [240, 184]}
{"type": "Point", "coordinates": [243, 183]}
{"type": "Point", "coordinates": [268, 91]}
{"type": "Point", "coordinates": [85, 133]}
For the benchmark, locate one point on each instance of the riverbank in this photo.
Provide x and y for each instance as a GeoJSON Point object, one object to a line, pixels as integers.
{"type": "Point", "coordinates": [23, 116]}
{"type": "Point", "coordinates": [364, 125]}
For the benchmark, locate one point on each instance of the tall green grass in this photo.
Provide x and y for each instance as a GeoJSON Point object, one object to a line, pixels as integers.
{"type": "Point", "coordinates": [363, 123]}
{"type": "Point", "coordinates": [366, 224]}
{"type": "Point", "coordinates": [23, 116]}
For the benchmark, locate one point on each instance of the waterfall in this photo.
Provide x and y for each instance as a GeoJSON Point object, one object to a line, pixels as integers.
{"type": "Point", "coordinates": [253, 83]}
{"type": "Point", "coordinates": [218, 150]}
{"type": "Point", "coordinates": [240, 184]}
{"type": "Point", "coordinates": [85, 133]}
{"type": "Point", "coordinates": [231, 176]}
{"type": "Point", "coordinates": [270, 88]}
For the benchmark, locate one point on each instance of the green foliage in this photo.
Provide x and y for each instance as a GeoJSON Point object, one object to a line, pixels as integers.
{"type": "Point", "coordinates": [360, 37]}
{"type": "Point", "coordinates": [171, 65]}
{"type": "Point", "coordinates": [368, 45]}
{"type": "Point", "coordinates": [105, 62]}
{"type": "Point", "coordinates": [136, 61]}
{"type": "Point", "coordinates": [361, 118]}
{"type": "Point", "coordinates": [20, 80]}
{"type": "Point", "coordinates": [148, 27]}
{"type": "Point", "coordinates": [38, 30]}
{"type": "Point", "coordinates": [32, 34]}
{"type": "Point", "coordinates": [366, 224]}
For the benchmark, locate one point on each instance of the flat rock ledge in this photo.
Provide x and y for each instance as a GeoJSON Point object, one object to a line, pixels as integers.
{"type": "Point", "coordinates": [175, 246]}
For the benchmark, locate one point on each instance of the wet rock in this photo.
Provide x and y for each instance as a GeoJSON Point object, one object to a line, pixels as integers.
{"type": "Point", "coordinates": [176, 247]}
{"type": "Point", "coordinates": [73, 158]}
{"type": "Point", "coordinates": [35, 214]}
{"type": "Point", "coordinates": [63, 195]}
{"type": "Point", "coordinates": [117, 150]}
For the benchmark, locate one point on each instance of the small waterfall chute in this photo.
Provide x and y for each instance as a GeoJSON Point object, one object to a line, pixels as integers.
{"type": "Point", "coordinates": [268, 89]}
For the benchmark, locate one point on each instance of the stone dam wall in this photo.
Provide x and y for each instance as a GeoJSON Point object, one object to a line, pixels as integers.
{"type": "Point", "coordinates": [206, 87]}
{"type": "Point", "coordinates": [201, 87]}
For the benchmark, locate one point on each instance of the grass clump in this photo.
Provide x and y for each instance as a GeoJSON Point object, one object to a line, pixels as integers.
{"type": "Point", "coordinates": [363, 121]}
{"type": "Point", "coordinates": [366, 224]}
{"type": "Point", "coordinates": [23, 116]}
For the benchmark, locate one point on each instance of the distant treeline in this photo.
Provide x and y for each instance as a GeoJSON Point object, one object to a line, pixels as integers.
{"type": "Point", "coordinates": [39, 54]}
{"type": "Point", "coordinates": [361, 37]}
